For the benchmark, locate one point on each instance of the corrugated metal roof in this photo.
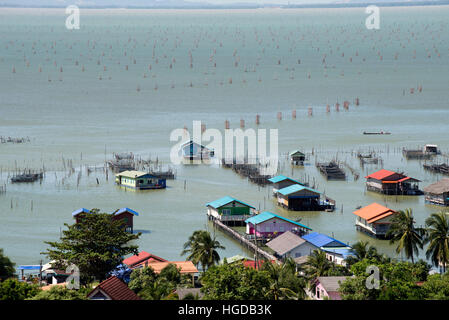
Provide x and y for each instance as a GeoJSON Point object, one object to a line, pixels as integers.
{"type": "Point", "coordinates": [119, 211]}
{"type": "Point", "coordinates": [285, 242]}
{"type": "Point", "coordinates": [439, 187]}
{"type": "Point", "coordinates": [116, 289]}
{"type": "Point", "coordinates": [224, 201]}
{"type": "Point", "coordinates": [140, 257]}
{"type": "Point", "coordinates": [282, 178]}
{"type": "Point", "coordinates": [133, 174]}
{"type": "Point", "coordinates": [321, 240]}
{"type": "Point", "coordinates": [374, 212]}
{"type": "Point", "coordinates": [331, 284]}
{"type": "Point", "coordinates": [295, 188]}
{"type": "Point", "coordinates": [264, 216]}
{"type": "Point", "coordinates": [381, 174]}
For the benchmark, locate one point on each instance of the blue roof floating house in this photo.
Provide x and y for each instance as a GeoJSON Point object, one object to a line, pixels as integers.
{"type": "Point", "coordinates": [299, 198]}
{"type": "Point", "coordinates": [229, 210]}
{"type": "Point", "coordinates": [192, 152]}
{"type": "Point", "coordinates": [268, 225]}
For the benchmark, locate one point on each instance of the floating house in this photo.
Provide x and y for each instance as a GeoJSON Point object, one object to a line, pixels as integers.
{"type": "Point", "coordinates": [297, 158]}
{"type": "Point", "coordinates": [124, 214]}
{"type": "Point", "coordinates": [191, 152]}
{"type": "Point", "coordinates": [142, 257]}
{"type": "Point", "coordinates": [280, 182]}
{"type": "Point", "coordinates": [229, 210]}
{"type": "Point", "coordinates": [392, 183]}
{"type": "Point", "coordinates": [427, 152]}
{"type": "Point", "coordinates": [438, 192]}
{"type": "Point", "coordinates": [301, 198]}
{"type": "Point", "coordinates": [290, 245]}
{"type": "Point", "coordinates": [374, 220]}
{"type": "Point", "coordinates": [267, 225]}
{"type": "Point", "coordinates": [139, 180]}
{"type": "Point", "coordinates": [112, 289]}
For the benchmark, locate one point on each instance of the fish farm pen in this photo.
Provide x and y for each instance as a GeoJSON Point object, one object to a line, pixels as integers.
{"type": "Point", "coordinates": [250, 171]}
{"type": "Point", "coordinates": [437, 168]}
{"type": "Point", "coordinates": [331, 171]}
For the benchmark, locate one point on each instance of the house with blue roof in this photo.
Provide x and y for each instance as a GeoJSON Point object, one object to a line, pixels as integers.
{"type": "Point", "coordinates": [282, 181]}
{"type": "Point", "coordinates": [229, 211]}
{"type": "Point", "coordinates": [268, 225]}
{"type": "Point", "coordinates": [336, 251]}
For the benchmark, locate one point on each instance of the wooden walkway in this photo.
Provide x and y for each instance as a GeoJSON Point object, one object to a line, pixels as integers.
{"type": "Point", "coordinates": [237, 236]}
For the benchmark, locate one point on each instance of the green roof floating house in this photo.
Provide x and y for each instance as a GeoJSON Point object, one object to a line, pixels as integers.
{"type": "Point", "coordinates": [229, 210]}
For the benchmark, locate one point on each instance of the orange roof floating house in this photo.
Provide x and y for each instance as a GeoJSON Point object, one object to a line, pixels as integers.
{"type": "Point", "coordinates": [392, 183]}
{"type": "Point", "coordinates": [374, 220]}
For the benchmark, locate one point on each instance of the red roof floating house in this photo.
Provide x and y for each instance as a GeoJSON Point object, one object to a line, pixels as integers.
{"type": "Point", "coordinates": [374, 219]}
{"type": "Point", "coordinates": [392, 183]}
{"type": "Point", "coordinates": [142, 258]}
{"type": "Point", "coordinates": [112, 289]}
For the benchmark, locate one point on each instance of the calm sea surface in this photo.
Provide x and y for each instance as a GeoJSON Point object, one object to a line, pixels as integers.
{"type": "Point", "coordinates": [126, 79]}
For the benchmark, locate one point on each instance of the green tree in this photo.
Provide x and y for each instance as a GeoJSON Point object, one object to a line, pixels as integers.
{"type": "Point", "coordinates": [285, 282]}
{"type": "Point", "coordinates": [436, 287]}
{"type": "Point", "coordinates": [6, 267]}
{"type": "Point", "coordinates": [202, 249]}
{"type": "Point", "coordinates": [403, 231]}
{"type": "Point", "coordinates": [96, 245]}
{"type": "Point", "coordinates": [13, 289]}
{"type": "Point", "coordinates": [62, 293]}
{"type": "Point", "coordinates": [438, 238]}
{"type": "Point", "coordinates": [235, 282]}
{"type": "Point", "coordinates": [151, 286]}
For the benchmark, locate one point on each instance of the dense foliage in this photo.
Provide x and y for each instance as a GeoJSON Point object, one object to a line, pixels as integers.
{"type": "Point", "coordinates": [6, 267]}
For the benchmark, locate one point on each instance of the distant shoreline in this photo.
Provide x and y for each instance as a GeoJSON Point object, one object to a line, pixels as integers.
{"type": "Point", "coordinates": [202, 6]}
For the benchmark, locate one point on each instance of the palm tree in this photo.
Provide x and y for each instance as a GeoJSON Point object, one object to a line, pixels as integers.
{"type": "Point", "coordinates": [281, 276]}
{"type": "Point", "coordinates": [202, 249]}
{"type": "Point", "coordinates": [402, 230]}
{"type": "Point", "coordinates": [316, 266]}
{"type": "Point", "coordinates": [438, 238]}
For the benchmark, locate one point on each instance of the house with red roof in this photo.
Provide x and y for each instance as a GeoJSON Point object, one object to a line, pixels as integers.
{"type": "Point", "coordinates": [112, 289]}
{"type": "Point", "coordinates": [142, 258]}
{"type": "Point", "coordinates": [392, 183]}
{"type": "Point", "coordinates": [374, 220]}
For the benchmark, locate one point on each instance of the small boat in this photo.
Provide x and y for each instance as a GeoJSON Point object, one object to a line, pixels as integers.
{"type": "Point", "coordinates": [380, 132]}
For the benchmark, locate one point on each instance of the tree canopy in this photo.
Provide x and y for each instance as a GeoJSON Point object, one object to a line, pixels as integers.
{"type": "Point", "coordinates": [96, 245]}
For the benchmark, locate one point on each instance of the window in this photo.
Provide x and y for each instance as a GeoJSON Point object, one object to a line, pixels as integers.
{"type": "Point", "coordinates": [281, 229]}
{"type": "Point", "coordinates": [226, 211]}
{"type": "Point", "coordinates": [297, 254]}
{"type": "Point", "coordinates": [267, 229]}
{"type": "Point", "coordinates": [318, 293]}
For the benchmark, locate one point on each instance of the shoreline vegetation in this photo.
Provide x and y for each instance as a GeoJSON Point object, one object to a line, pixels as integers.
{"type": "Point", "coordinates": [206, 6]}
